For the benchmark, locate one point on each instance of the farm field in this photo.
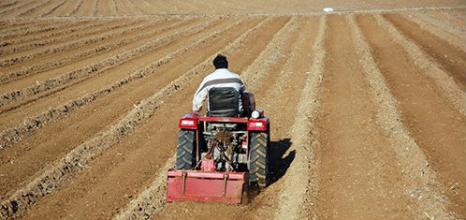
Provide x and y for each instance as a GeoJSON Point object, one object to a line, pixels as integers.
{"type": "Point", "coordinates": [367, 105]}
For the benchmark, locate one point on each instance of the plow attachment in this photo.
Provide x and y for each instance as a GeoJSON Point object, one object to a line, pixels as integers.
{"type": "Point", "coordinates": [199, 186]}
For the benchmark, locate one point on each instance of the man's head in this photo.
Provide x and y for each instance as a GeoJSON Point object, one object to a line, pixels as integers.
{"type": "Point", "coordinates": [220, 61]}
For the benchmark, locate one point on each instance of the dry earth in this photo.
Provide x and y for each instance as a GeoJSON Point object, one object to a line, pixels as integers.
{"type": "Point", "coordinates": [367, 105]}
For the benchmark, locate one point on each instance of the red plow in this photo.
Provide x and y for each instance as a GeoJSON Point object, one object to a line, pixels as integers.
{"type": "Point", "coordinates": [203, 186]}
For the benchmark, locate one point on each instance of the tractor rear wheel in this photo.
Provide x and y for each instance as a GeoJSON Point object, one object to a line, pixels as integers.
{"type": "Point", "coordinates": [258, 159]}
{"type": "Point", "coordinates": [185, 151]}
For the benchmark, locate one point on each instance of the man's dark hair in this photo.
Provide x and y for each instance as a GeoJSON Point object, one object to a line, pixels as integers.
{"type": "Point", "coordinates": [220, 61]}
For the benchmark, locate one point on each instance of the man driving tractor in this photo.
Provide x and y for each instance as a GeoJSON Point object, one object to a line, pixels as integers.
{"type": "Point", "coordinates": [225, 91]}
{"type": "Point", "coordinates": [222, 153]}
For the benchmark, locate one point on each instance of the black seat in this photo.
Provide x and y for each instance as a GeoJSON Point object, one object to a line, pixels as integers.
{"type": "Point", "coordinates": [223, 102]}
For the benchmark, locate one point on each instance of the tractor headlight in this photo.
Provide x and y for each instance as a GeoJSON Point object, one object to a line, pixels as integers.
{"type": "Point", "coordinates": [255, 114]}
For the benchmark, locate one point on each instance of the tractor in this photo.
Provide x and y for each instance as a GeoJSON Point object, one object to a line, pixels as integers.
{"type": "Point", "coordinates": [222, 154]}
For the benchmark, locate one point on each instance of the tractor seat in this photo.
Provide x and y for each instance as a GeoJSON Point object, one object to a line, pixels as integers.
{"type": "Point", "coordinates": [223, 102]}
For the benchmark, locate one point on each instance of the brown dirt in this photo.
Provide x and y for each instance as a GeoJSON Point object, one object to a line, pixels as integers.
{"type": "Point", "coordinates": [82, 58]}
{"type": "Point", "coordinates": [354, 183]}
{"type": "Point", "coordinates": [20, 57]}
{"type": "Point", "coordinates": [64, 9]}
{"type": "Point", "coordinates": [441, 125]}
{"type": "Point", "coordinates": [35, 8]}
{"type": "Point", "coordinates": [28, 29]}
{"type": "Point", "coordinates": [85, 8]}
{"type": "Point", "coordinates": [84, 87]}
{"type": "Point", "coordinates": [132, 95]}
{"type": "Point", "coordinates": [118, 44]}
{"type": "Point", "coordinates": [364, 108]}
{"type": "Point", "coordinates": [21, 8]}
{"type": "Point", "coordinates": [451, 58]}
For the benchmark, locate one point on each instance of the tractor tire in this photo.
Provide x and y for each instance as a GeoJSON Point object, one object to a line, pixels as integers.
{"type": "Point", "coordinates": [258, 159]}
{"type": "Point", "coordinates": [185, 151]}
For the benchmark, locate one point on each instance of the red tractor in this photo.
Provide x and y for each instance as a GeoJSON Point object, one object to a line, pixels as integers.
{"type": "Point", "coordinates": [221, 154]}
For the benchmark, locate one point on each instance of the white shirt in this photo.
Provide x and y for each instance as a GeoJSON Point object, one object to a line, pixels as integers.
{"type": "Point", "coordinates": [218, 79]}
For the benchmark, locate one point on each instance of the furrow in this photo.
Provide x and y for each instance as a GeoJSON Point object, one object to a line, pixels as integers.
{"type": "Point", "coordinates": [76, 8]}
{"type": "Point", "coordinates": [44, 9]}
{"type": "Point", "coordinates": [115, 6]}
{"type": "Point", "coordinates": [19, 58]}
{"type": "Point", "coordinates": [86, 9]}
{"type": "Point", "coordinates": [28, 12]}
{"type": "Point", "coordinates": [18, 7]}
{"type": "Point", "coordinates": [448, 57]}
{"type": "Point", "coordinates": [33, 28]}
{"type": "Point", "coordinates": [149, 7]}
{"type": "Point", "coordinates": [290, 81]}
{"type": "Point", "coordinates": [18, 25]}
{"type": "Point", "coordinates": [25, 37]}
{"type": "Point", "coordinates": [15, 25]}
{"type": "Point", "coordinates": [52, 10]}
{"type": "Point", "coordinates": [452, 21]}
{"type": "Point", "coordinates": [431, 69]}
{"type": "Point", "coordinates": [51, 83]}
{"type": "Point", "coordinates": [55, 60]}
{"type": "Point", "coordinates": [441, 125]}
{"type": "Point", "coordinates": [112, 7]}
{"type": "Point", "coordinates": [417, 175]}
{"type": "Point", "coordinates": [295, 190]}
{"type": "Point", "coordinates": [95, 117]}
{"type": "Point", "coordinates": [440, 29]}
{"type": "Point", "coordinates": [453, 17]}
{"type": "Point", "coordinates": [186, 7]}
{"type": "Point", "coordinates": [66, 9]}
{"type": "Point", "coordinates": [254, 74]}
{"type": "Point", "coordinates": [10, 136]}
{"type": "Point", "coordinates": [135, 6]}
{"type": "Point", "coordinates": [354, 162]}
{"type": "Point", "coordinates": [124, 8]}
{"type": "Point", "coordinates": [160, 6]}
{"type": "Point", "coordinates": [54, 175]}
{"type": "Point", "coordinates": [75, 31]}
{"type": "Point", "coordinates": [152, 199]}
{"type": "Point", "coordinates": [8, 4]}
{"type": "Point", "coordinates": [62, 61]}
{"type": "Point", "coordinates": [96, 8]}
{"type": "Point", "coordinates": [104, 8]}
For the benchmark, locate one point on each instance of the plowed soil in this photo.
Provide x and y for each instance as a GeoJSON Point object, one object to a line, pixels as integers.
{"type": "Point", "coordinates": [354, 183]}
{"type": "Point", "coordinates": [366, 105]}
